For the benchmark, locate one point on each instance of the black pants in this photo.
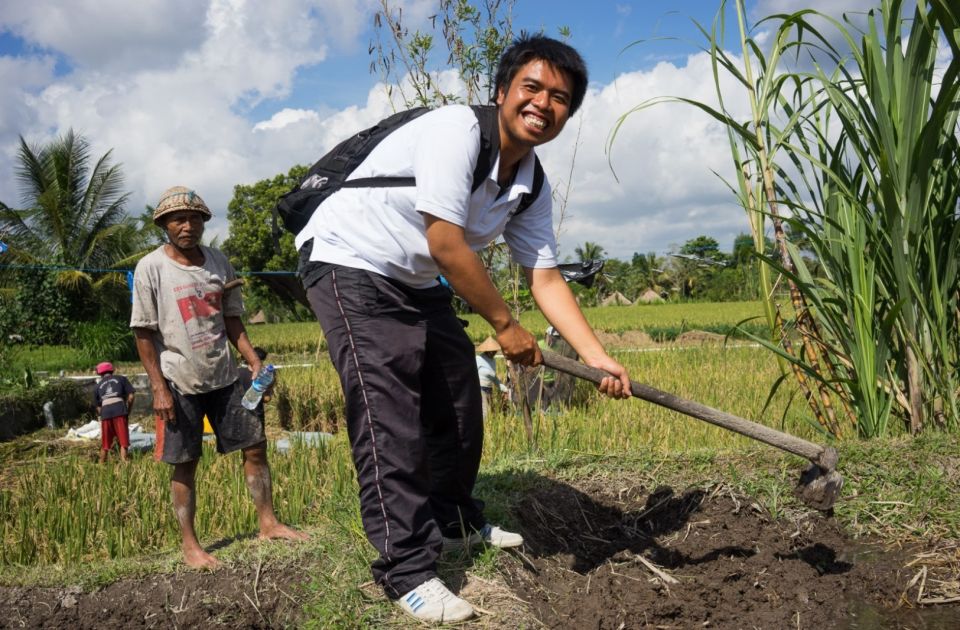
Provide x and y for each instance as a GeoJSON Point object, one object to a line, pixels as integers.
{"type": "Point", "coordinates": [413, 416]}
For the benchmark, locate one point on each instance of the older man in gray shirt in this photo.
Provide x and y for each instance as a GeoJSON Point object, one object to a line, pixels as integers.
{"type": "Point", "coordinates": [184, 320]}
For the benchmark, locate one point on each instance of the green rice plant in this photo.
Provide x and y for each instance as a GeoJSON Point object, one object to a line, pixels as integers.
{"type": "Point", "coordinates": [105, 340]}
{"type": "Point", "coordinates": [289, 338]}
{"type": "Point", "coordinates": [19, 358]}
{"type": "Point", "coordinates": [69, 510]}
{"type": "Point", "coordinates": [734, 380]}
{"type": "Point", "coordinates": [715, 316]}
{"type": "Point", "coordinates": [309, 398]}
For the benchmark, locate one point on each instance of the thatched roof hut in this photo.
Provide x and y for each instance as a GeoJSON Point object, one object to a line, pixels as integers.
{"type": "Point", "coordinates": [616, 299]}
{"type": "Point", "coordinates": [649, 297]}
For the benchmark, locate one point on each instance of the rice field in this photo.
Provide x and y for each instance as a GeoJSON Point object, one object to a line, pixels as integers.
{"type": "Point", "coordinates": [735, 380]}
{"type": "Point", "coordinates": [61, 507]}
{"type": "Point", "coordinates": [658, 320]}
{"type": "Point", "coordinates": [68, 509]}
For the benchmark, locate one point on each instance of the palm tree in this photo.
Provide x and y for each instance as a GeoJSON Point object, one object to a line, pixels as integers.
{"type": "Point", "coordinates": [649, 271]}
{"type": "Point", "coordinates": [72, 216]}
{"type": "Point", "coordinates": [586, 253]}
{"type": "Point", "coordinates": [589, 251]}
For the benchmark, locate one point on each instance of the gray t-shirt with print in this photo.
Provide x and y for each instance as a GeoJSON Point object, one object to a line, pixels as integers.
{"type": "Point", "coordinates": [186, 306]}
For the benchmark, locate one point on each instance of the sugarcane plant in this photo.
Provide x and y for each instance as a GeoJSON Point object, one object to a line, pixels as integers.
{"type": "Point", "coordinates": [853, 130]}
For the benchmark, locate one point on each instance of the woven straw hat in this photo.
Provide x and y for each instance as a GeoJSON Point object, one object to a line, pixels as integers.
{"type": "Point", "coordinates": [489, 345]}
{"type": "Point", "coordinates": [180, 198]}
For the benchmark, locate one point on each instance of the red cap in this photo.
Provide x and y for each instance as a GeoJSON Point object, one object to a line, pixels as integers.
{"type": "Point", "coordinates": [103, 368]}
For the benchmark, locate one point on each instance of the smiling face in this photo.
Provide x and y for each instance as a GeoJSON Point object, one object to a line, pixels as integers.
{"type": "Point", "coordinates": [184, 229]}
{"type": "Point", "coordinates": [534, 108]}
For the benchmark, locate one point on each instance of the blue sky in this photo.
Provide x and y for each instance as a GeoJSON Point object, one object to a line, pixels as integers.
{"type": "Point", "coordinates": [214, 93]}
{"type": "Point", "coordinates": [618, 37]}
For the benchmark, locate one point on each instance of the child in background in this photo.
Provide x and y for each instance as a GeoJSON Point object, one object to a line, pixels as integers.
{"type": "Point", "coordinates": [113, 399]}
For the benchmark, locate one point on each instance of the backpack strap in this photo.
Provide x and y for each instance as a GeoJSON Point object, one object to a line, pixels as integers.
{"type": "Point", "coordinates": [527, 199]}
{"type": "Point", "coordinates": [489, 142]}
{"type": "Point", "coordinates": [489, 150]}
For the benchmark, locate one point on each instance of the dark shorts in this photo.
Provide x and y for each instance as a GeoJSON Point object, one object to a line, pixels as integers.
{"type": "Point", "coordinates": [235, 427]}
{"type": "Point", "coordinates": [111, 428]}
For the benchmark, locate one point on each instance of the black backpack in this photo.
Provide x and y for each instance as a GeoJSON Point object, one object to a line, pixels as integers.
{"type": "Point", "coordinates": [329, 173]}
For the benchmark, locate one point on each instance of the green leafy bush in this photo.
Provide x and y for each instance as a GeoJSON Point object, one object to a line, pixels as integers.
{"type": "Point", "coordinates": [39, 313]}
{"type": "Point", "coordinates": [105, 341]}
{"type": "Point", "coordinates": [21, 408]}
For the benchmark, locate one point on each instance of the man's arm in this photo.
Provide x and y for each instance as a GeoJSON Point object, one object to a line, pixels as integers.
{"type": "Point", "coordinates": [130, 396]}
{"type": "Point", "coordinates": [462, 268]}
{"type": "Point", "coordinates": [559, 306]}
{"type": "Point", "coordinates": [237, 334]}
{"type": "Point", "coordinates": [162, 398]}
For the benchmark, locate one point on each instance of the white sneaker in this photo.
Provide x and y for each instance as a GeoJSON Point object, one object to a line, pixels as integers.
{"type": "Point", "coordinates": [490, 535]}
{"type": "Point", "coordinates": [432, 601]}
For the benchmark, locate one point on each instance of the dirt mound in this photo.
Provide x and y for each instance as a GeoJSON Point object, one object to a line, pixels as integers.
{"type": "Point", "coordinates": [249, 598]}
{"type": "Point", "coordinates": [699, 336]}
{"type": "Point", "coordinates": [618, 557]}
{"type": "Point", "coordinates": [609, 340]}
{"type": "Point", "coordinates": [636, 339]}
{"type": "Point", "coordinates": [633, 339]}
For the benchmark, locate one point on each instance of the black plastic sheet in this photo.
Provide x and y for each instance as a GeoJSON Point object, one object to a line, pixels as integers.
{"type": "Point", "coordinates": [582, 272]}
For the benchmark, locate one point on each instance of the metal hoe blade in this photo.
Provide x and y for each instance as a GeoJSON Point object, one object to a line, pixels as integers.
{"type": "Point", "coordinates": [820, 483]}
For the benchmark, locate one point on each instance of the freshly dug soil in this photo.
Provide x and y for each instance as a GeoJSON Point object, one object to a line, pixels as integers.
{"type": "Point", "coordinates": [725, 563]}
{"type": "Point", "coordinates": [189, 599]}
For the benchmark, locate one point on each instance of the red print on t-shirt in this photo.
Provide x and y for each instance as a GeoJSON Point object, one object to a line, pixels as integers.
{"type": "Point", "coordinates": [201, 307]}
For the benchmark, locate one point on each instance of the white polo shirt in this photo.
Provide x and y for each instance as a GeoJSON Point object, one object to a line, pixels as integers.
{"type": "Point", "coordinates": [382, 230]}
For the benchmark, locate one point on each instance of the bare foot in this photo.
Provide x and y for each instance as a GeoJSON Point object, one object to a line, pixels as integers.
{"type": "Point", "coordinates": [200, 559]}
{"type": "Point", "coordinates": [283, 532]}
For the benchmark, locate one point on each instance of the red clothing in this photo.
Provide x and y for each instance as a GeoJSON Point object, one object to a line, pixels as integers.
{"type": "Point", "coordinates": [115, 427]}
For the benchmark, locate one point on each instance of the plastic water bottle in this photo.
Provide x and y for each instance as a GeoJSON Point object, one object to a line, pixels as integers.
{"type": "Point", "coordinates": [259, 385]}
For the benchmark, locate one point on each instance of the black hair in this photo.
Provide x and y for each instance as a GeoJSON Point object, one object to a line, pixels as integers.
{"type": "Point", "coordinates": [563, 57]}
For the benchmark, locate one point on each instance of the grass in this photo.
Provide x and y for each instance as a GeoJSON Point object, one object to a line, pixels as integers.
{"type": "Point", "coordinates": [50, 359]}
{"type": "Point", "coordinates": [67, 509]}
{"type": "Point", "coordinates": [66, 519]}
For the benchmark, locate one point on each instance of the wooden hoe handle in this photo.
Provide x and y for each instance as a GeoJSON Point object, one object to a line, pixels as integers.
{"type": "Point", "coordinates": [792, 444]}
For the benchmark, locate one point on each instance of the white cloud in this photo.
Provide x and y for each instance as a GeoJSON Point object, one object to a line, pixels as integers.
{"type": "Point", "coordinates": [108, 34]}
{"type": "Point", "coordinates": [179, 120]}
{"type": "Point", "coordinates": [286, 117]}
{"type": "Point", "coordinates": [829, 7]}
{"type": "Point", "coordinates": [20, 78]}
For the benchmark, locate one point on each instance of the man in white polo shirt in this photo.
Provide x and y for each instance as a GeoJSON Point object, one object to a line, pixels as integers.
{"type": "Point", "coordinates": [370, 262]}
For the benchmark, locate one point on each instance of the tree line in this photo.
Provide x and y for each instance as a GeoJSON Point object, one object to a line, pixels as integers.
{"type": "Point", "coordinates": [73, 226]}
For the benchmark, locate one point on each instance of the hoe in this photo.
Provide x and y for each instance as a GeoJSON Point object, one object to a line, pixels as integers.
{"type": "Point", "coordinates": [819, 484]}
